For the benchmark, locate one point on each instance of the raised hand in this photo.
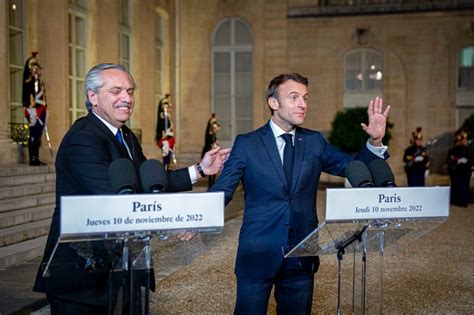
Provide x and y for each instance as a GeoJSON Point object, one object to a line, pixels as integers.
{"type": "Point", "coordinates": [377, 121]}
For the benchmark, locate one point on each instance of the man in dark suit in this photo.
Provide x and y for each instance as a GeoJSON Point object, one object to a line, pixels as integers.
{"type": "Point", "coordinates": [280, 165]}
{"type": "Point", "coordinates": [79, 275]}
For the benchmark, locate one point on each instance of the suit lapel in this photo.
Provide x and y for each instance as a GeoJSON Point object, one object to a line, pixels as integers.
{"type": "Point", "coordinates": [300, 145]}
{"type": "Point", "coordinates": [268, 139]}
{"type": "Point", "coordinates": [96, 121]}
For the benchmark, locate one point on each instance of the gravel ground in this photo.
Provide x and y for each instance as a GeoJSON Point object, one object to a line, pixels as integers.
{"type": "Point", "coordinates": [432, 275]}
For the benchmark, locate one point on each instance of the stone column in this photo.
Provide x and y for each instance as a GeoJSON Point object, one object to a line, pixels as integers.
{"type": "Point", "coordinates": [9, 151]}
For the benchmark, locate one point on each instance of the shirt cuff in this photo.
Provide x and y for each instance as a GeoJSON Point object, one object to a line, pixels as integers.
{"type": "Point", "coordinates": [378, 151]}
{"type": "Point", "coordinates": [192, 174]}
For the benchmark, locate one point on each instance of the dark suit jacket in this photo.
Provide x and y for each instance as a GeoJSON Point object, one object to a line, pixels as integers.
{"type": "Point", "coordinates": [82, 162]}
{"type": "Point", "coordinates": [270, 205]}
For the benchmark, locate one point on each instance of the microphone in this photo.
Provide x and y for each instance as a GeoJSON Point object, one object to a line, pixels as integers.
{"type": "Point", "coordinates": [383, 175]}
{"type": "Point", "coordinates": [123, 176]}
{"type": "Point", "coordinates": [358, 174]}
{"type": "Point", "coordinates": [154, 177]}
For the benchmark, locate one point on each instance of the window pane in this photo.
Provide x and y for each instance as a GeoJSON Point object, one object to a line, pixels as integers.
{"type": "Point", "coordinates": [222, 36]}
{"type": "Point", "coordinates": [16, 48]}
{"type": "Point", "coordinates": [80, 31]}
{"type": "Point", "coordinates": [222, 107]}
{"type": "Point", "coordinates": [242, 33]}
{"type": "Point", "coordinates": [159, 28]}
{"type": "Point", "coordinates": [124, 17]}
{"type": "Point", "coordinates": [80, 63]}
{"type": "Point", "coordinates": [80, 95]}
{"type": "Point", "coordinates": [354, 74]}
{"type": "Point", "coordinates": [243, 84]}
{"type": "Point", "coordinates": [374, 70]}
{"type": "Point", "coordinates": [225, 130]}
{"type": "Point", "coordinates": [243, 107]}
{"type": "Point", "coordinates": [243, 61]}
{"type": "Point", "coordinates": [221, 62]}
{"type": "Point", "coordinates": [243, 125]}
{"type": "Point", "coordinates": [222, 84]}
{"type": "Point", "coordinates": [16, 13]}
{"type": "Point", "coordinates": [16, 85]}
{"type": "Point", "coordinates": [466, 68]}
{"type": "Point", "coordinates": [125, 46]}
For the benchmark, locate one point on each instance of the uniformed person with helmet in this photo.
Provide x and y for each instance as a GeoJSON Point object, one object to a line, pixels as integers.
{"type": "Point", "coordinates": [34, 102]}
{"type": "Point", "coordinates": [210, 140]}
{"type": "Point", "coordinates": [416, 160]}
{"type": "Point", "coordinates": [460, 161]}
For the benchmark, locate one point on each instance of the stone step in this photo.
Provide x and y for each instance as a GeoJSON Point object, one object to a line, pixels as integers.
{"type": "Point", "coordinates": [23, 216]}
{"type": "Point", "coordinates": [20, 252]}
{"type": "Point", "coordinates": [26, 202]}
{"type": "Point", "coordinates": [27, 190]}
{"type": "Point", "coordinates": [27, 179]}
{"type": "Point", "coordinates": [20, 233]}
{"type": "Point", "coordinates": [9, 170]}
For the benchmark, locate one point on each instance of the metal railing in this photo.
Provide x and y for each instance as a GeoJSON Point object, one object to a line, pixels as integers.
{"type": "Point", "coordinates": [328, 8]}
{"type": "Point", "coordinates": [19, 133]}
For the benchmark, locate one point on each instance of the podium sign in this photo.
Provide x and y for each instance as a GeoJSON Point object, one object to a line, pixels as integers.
{"type": "Point", "coordinates": [86, 216]}
{"type": "Point", "coordinates": [386, 203]}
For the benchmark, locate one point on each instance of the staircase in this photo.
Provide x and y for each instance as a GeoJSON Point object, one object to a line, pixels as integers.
{"type": "Point", "coordinates": [27, 200]}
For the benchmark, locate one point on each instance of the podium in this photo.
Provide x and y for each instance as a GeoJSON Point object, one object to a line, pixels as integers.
{"type": "Point", "coordinates": [361, 221]}
{"type": "Point", "coordinates": [104, 243]}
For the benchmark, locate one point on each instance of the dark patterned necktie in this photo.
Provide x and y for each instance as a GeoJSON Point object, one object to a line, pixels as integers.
{"type": "Point", "coordinates": [288, 157]}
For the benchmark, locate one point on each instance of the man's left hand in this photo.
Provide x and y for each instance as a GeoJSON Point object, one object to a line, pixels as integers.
{"type": "Point", "coordinates": [377, 121]}
{"type": "Point", "coordinates": [213, 160]}
{"type": "Point", "coordinates": [186, 236]}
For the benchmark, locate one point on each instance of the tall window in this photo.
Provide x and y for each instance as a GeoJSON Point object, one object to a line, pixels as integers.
{"type": "Point", "coordinates": [124, 33]}
{"type": "Point", "coordinates": [466, 68]}
{"type": "Point", "coordinates": [78, 57]}
{"type": "Point", "coordinates": [232, 84]}
{"type": "Point", "coordinates": [158, 58]}
{"type": "Point", "coordinates": [363, 77]}
{"type": "Point", "coordinates": [17, 58]}
{"type": "Point", "coordinates": [465, 85]}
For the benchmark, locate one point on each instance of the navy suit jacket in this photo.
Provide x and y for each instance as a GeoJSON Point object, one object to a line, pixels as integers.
{"type": "Point", "coordinates": [270, 205]}
{"type": "Point", "coordinates": [82, 163]}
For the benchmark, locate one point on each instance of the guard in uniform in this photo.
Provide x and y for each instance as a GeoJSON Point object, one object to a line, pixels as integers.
{"type": "Point", "coordinates": [210, 140]}
{"type": "Point", "coordinates": [460, 161]}
{"type": "Point", "coordinates": [34, 103]}
{"type": "Point", "coordinates": [416, 160]}
{"type": "Point", "coordinates": [164, 132]}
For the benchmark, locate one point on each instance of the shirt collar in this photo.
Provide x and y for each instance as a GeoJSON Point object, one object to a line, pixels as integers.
{"type": "Point", "coordinates": [277, 131]}
{"type": "Point", "coordinates": [112, 128]}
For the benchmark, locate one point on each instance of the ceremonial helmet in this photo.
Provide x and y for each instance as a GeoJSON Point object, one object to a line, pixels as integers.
{"type": "Point", "coordinates": [460, 135]}
{"type": "Point", "coordinates": [416, 135]}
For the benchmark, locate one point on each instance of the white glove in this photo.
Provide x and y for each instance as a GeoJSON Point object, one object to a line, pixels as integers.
{"type": "Point", "coordinates": [419, 158]}
{"type": "Point", "coordinates": [33, 116]}
{"type": "Point", "coordinates": [462, 161]}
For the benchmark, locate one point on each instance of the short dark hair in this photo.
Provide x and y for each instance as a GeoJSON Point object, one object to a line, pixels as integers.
{"type": "Point", "coordinates": [272, 90]}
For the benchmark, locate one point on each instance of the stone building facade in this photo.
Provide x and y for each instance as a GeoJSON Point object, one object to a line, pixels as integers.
{"type": "Point", "coordinates": [219, 55]}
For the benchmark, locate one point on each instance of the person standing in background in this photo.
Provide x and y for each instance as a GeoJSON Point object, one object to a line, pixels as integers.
{"type": "Point", "coordinates": [416, 160]}
{"type": "Point", "coordinates": [165, 131]}
{"type": "Point", "coordinates": [460, 161]}
{"type": "Point", "coordinates": [210, 140]}
{"type": "Point", "coordinates": [34, 102]}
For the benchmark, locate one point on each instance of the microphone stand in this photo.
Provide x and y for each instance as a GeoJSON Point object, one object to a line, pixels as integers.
{"type": "Point", "coordinates": [341, 246]}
